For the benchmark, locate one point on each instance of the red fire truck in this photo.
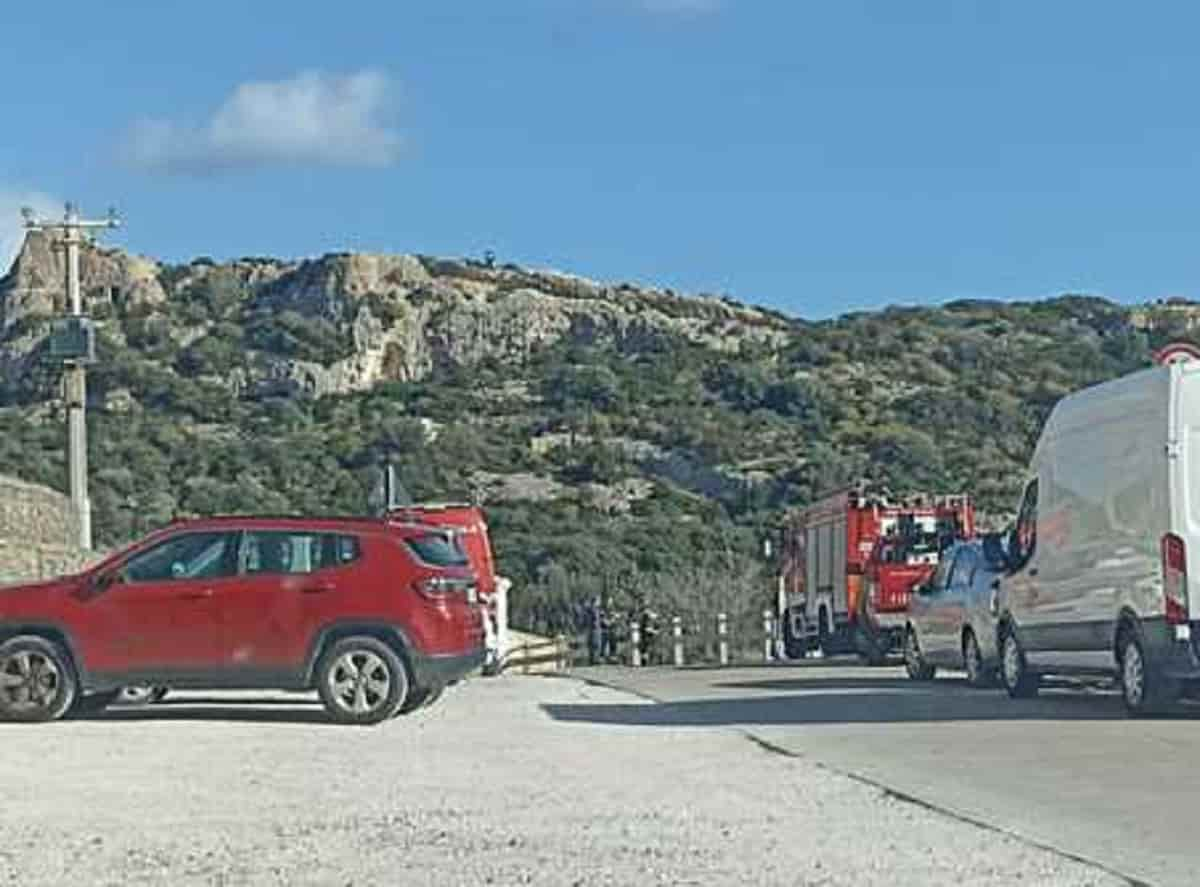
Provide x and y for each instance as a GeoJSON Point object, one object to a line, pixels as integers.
{"type": "Point", "coordinates": [850, 562]}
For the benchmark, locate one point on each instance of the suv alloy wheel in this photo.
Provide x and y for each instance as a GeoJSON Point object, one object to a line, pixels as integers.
{"type": "Point", "coordinates": [37, 680]}
{"type": "Point", "coordinates": [361, 680]}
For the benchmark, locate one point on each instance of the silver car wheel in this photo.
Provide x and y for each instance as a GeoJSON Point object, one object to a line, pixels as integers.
{"type": "Point", "coordinates": [359, 682]}
{"type": "Point", "coordinates": [29, 681]}
{"type": "Point", "coordinates": [1133, 676]}
{"type": "Point", "coordinates": [973, 661]}
{"type": "Point", "coordinates": [1012, 661]}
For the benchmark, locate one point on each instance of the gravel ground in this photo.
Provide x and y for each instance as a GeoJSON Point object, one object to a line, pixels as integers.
{"type": "Point", "coordinates": [483, 788]}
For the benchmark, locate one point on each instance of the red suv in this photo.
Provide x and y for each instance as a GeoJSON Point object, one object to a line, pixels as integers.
{"type": "Point", "coordinates": [376, 615]}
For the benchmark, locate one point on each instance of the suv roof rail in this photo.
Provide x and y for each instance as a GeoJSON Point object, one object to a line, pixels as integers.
{"type": "Point", "coordinates": [357, 518]}
{"type": "Point", "coordinates": [429, 506]}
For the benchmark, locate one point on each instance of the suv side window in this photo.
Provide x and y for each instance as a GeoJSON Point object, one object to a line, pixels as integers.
{"type": "Point", "coordinates": [284, 551]}
{"type": "Point", "coordinates": [187, 556]}
{"type": "Point", "coordinates": [1024, 541]}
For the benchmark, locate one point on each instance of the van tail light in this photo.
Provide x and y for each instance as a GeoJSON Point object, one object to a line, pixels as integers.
{"type": "Point", "coordinates": [1174, 565]}
{"type": "Point", "coordinates": [439, 588]}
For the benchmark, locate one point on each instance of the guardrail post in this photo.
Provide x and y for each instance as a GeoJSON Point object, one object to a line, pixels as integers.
{"type": "Point", "coordinates": [768, 635]}
{"type": "Point", "coordinates": [635, 644]}
{"type": "Point", "coordinates": [677, 635]}
{"type": "Point", "coordinates": [502, 587]}
{"type": "Point", "coordinates": [722, 639]}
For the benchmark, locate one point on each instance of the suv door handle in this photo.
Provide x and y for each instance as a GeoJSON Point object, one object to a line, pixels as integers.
{"type": "Point", "coordinates": [202, 594]}
{"type": "Point", "coordinates": [319, 588]}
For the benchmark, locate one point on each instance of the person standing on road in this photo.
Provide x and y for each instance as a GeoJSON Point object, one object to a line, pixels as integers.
{"type": "Point", "coordinates": [595, 631]}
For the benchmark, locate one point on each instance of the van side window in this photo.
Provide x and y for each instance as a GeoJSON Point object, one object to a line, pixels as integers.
{"type": "Point", "coordinates": [1025, 536]}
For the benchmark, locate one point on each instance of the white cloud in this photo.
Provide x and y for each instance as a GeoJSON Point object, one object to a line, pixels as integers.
{"type": "Point", "coordinates": [12, 229]}
{"type": "Point", "coordinates": [312, 119]}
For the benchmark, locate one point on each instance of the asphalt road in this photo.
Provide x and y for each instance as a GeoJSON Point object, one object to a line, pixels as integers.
{"type": "Point", "coordinates": [1067, 770]}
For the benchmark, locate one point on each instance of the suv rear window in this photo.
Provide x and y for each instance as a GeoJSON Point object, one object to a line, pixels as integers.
{"type": "Point", "coordinates": [437, 550]}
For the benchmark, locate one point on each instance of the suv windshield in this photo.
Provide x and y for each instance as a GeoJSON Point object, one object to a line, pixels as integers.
{"type": "Point", "coordinates": [437, 550]}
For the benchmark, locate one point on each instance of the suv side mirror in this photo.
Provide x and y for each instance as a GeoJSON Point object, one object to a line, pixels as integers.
{"type": "Point", "coordinates": [106, 580]}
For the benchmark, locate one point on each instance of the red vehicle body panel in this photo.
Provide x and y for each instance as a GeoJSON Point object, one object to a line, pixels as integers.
{"type": "Point", "coordinates": [248, 624]}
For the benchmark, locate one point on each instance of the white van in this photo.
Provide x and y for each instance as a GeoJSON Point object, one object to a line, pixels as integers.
{"type": "Point", "coordinates": [1107, 533]}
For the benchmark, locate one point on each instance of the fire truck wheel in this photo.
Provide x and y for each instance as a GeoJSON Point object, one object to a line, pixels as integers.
{"type": "Point", "coordinates": [795, 646]}
{"type": "Point", "coordinates": [824, 638]}
{"type": "Point", "coordinates": [918, 669]}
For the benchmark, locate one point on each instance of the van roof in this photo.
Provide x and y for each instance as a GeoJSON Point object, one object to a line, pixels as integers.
{"type": "Point", "coordinates": [1113, 401]}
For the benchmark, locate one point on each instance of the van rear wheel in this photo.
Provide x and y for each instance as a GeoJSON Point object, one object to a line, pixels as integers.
{"type": "Point", "coordinates": [1144, 690]}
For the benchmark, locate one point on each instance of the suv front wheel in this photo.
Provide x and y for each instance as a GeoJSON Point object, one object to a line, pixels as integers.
{"type": "Point", "coordinates": [361, 680]}
{"type": "Point", "coordinates": [37, 680]}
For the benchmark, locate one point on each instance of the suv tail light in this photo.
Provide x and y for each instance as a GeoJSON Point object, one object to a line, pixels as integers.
{"type": "Point", "coordinates": [441, 587]}
{"type": "Point", "coordinates": [1174, 566]}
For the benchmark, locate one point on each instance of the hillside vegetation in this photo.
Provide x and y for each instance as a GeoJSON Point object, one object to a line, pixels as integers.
{"type": "Point", "coordinates": [623, 439]}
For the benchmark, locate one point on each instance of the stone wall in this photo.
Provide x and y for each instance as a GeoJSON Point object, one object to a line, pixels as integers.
{"type": "Point", "coordinates": [22, 561]}
{"type": "Point", "coordinates": [37, 526]}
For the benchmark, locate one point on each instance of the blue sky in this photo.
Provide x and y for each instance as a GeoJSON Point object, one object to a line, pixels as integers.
{"type": "Point", "coordinates": [816, 157]}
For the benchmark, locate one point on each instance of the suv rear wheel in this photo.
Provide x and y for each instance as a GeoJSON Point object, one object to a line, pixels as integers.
{"type": "Point", "coordinates": [37, 680]}
{"type": "Point", "coordinates": [361, 680]}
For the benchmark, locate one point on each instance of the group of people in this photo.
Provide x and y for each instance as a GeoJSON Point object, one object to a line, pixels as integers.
{"type": "Point", "coordinates": [609, 629]}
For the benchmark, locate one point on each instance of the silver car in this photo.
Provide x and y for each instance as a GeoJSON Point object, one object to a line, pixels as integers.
{"type": "Point", "coordinates": [952, 618]}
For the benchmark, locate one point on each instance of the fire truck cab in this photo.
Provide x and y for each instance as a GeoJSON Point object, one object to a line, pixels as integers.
{"type": "Point", "coordinates": [850, 563]}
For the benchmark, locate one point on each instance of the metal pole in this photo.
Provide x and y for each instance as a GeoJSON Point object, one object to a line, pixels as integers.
{"type": "Point", "coordinates": [722, 640]}
{"type": "Point", "coordinates": [677, 634]}
{"type": "Point", "coordinates": [76, 393]}
{"type": "Point", "coordinates": [768, 635]}
{"type": "Point", "coordinates": [75, 376]}
{"type": "Point", "coordinates": [502, 587]}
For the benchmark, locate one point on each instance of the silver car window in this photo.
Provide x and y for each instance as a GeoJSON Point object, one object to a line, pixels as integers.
{"type": "Point", "coordinates": [953, 574]}
{"type": "Point", "coordinates": [965, 566]}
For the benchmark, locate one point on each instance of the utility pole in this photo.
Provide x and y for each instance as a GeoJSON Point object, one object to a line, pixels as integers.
{"type": "Point", "coordinates": [71, 234]}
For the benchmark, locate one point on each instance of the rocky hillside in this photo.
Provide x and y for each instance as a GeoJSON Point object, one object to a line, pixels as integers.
{"type": "Point", "coordinates": [344, 323]}
{"type": "Point", "coordinates": [621, 436]}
